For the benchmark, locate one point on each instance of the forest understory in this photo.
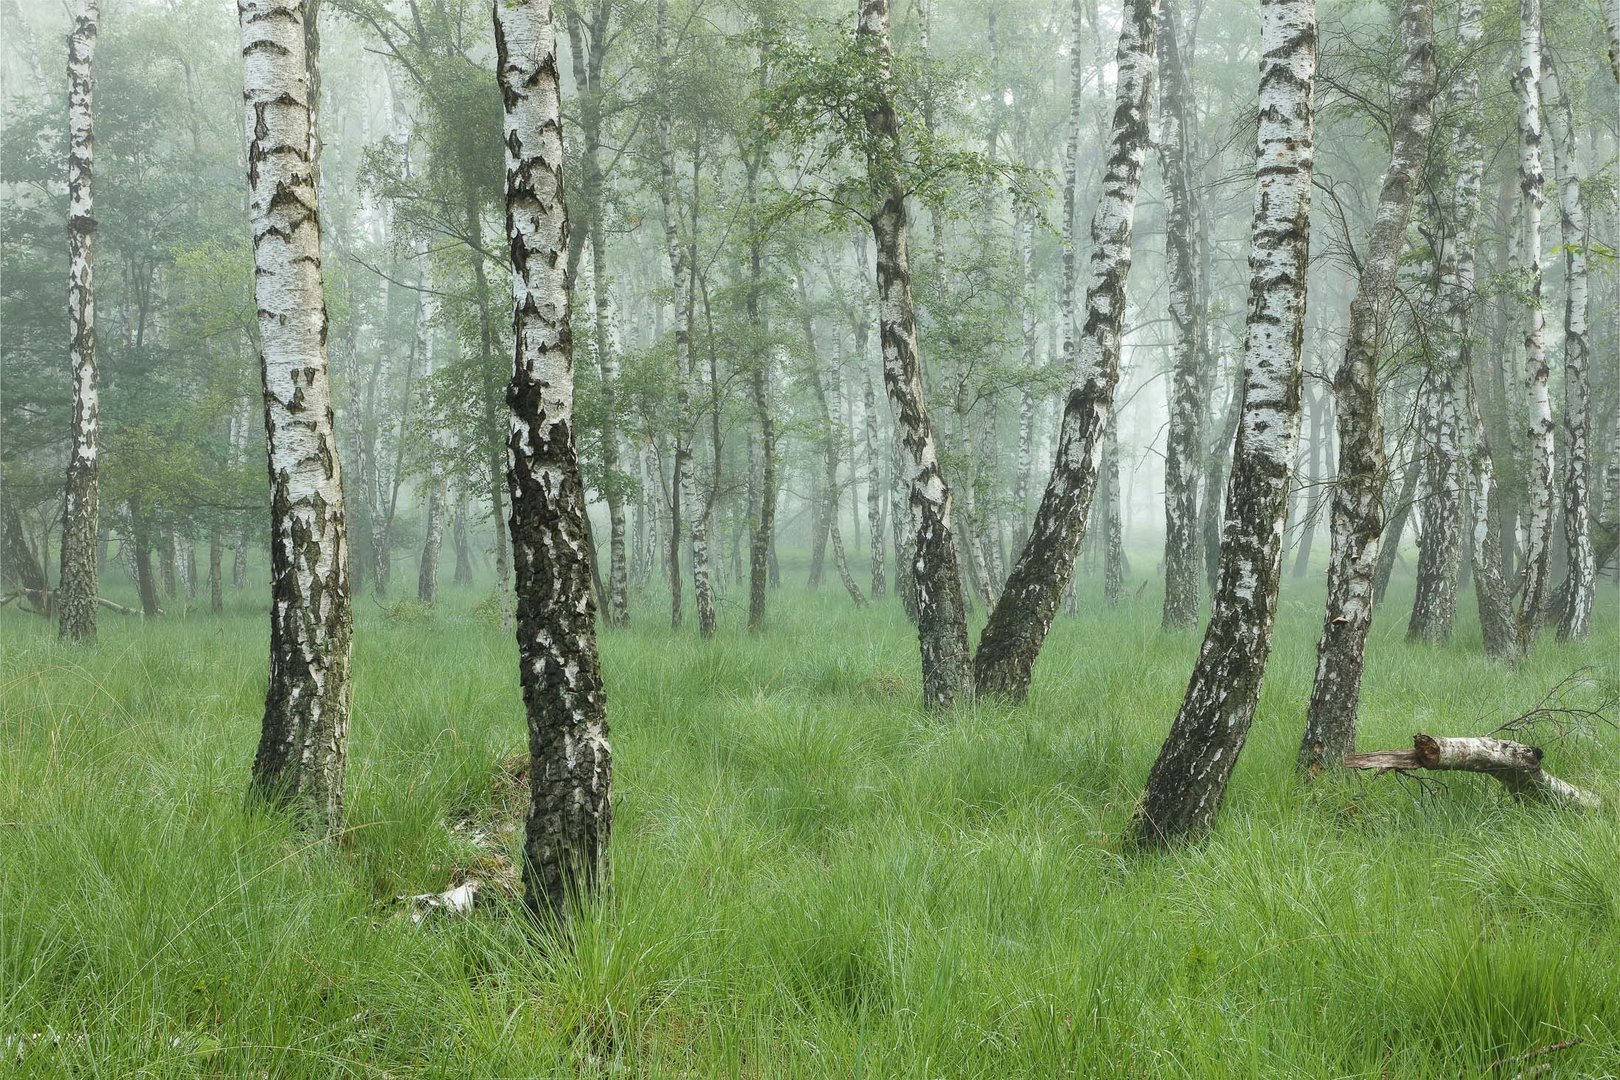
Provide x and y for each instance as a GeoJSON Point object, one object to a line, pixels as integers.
{"type": "Point", "coordinates": [811, 876]}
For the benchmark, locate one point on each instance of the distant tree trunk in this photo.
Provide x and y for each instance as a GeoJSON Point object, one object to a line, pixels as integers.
{"type": "Point", "coordinates": [1188, 781]}
{"type": "Point", "coordinates": [1184, 440]}
{"type": "Point", "coordinates": [764, 529]}
{"type": "Point", "coordinates": [1114, 536]}
{"type": "Point", "coordinates": [496, 463]}
{"type": "Point", "coordinates": [681, 273]}
{"type": "Point", "coordinates": [464, 570]}
{"type": "Point", "coordinates": [1210, 504]}
{"type": "Point", "coordinates": [1396, 514]}
{"type": "Point", "coordinates": [1310, 499]}
{"type": "Point", "coordinates": [78, 586]}
{"type": "Point", "coordinates": [140, 538]}
{"type": "Point", "coordinates": [1440, 544]}
{"type": "Point", "coordinates": [1358, 493]}
{"type": "Point", "coordinates": [566, 835]}
{"type": "Point", "coordinates": [874, 484]}
{"type": "Point", "coordinates": [1539, 464]}
{"type": "Point", "coordinates": [1579, 594]}
{"type": "Point", "coordinates": [941, 623]}
{"type": "Point", "coordinates": [305, 734]}
{"type": "Point", "coordinates": [167, 564]}
{"type": "Point", "coordinates": [216, 578]}
{"type": "Point", "coordinates": [1018, 625]}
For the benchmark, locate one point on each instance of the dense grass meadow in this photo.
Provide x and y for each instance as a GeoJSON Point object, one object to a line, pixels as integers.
{"type": "Point", "coordinates": [811, 878]}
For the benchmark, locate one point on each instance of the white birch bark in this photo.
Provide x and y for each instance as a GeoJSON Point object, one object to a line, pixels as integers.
{"type": "Point", "coordinates": [1187, 784]}
{"type": "Point", "coordinates": [566, 833]}
{"type": "Point", "coordinates": [304, 742]}
{"type": "Point", "coordinates": [80, 520]}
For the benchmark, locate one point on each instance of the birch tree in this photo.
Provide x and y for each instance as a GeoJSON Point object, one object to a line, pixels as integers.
{"type": "Point", "coordinates": [1188, 781]}
{"type": "Point", "coordinates": [1357, 513]}
{"type": "Point", "coordinates": [304, 741]}
{"type": "Point", "coordinates": [1019, 622]}
{"type": "Point", "coordinates": [566, 833]}
{"type": "Point", "coordinates": [80, 520]}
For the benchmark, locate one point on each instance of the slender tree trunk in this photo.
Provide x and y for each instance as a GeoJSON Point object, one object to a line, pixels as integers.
{"type": "Point", "coordinates": [1114, 536]}
{"type": "Point", "coordinates": [1188, 781]}
{"type": "Point", "coordinates": [874, 481]}
{"type": "Point", "coordinates": [216, 578]}
{"type": "Point", "coordinates": [305, 735]}
{"type": "Point", "coordinates": [1579, 593]}
{"type": "Point", "coordinates": [1183, 541]}
{"type": "Point", "coordinates": [140, 529]}
{"type": "Point", "coordinates": [1211, 507]}
{"type": "Point", "coordinates": [1310, 499]}
{"type": "Point", "coordinates": [78, 585]}
{"type": "Point", "coordinates": [1358, 494]}
{"type": "Point", "coordinates": [566, 834]}
{"type": "Point", "coordinates": [462, 543]}
{"type": "Point", "coordinates": [1539, 462]}
{"type": "Point", "coordinates": [1440, 544]}
{"type": "Point", "coordinates": [1018, 625]}
{"type": "Point", "coordinates": [941, 624]}
{"type": "Point", "coordinates": [1397, 514]}
{"type": "Point", "coordinates": [764, 530]}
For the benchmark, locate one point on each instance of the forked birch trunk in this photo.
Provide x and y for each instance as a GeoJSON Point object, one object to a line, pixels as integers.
{"type": "Point", "coordinates": [304, 742]}
{"type": "Point", "coordinates": [1358, 495]}
{"type": "Point", "coordinates": [566, 833]}
{"type": "Point", "coordinates": [1019, 623]}
{"type": "Point", "coordinates": [1188, 781]}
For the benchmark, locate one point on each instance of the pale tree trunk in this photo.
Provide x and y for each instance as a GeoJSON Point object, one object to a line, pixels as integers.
{"type": "Point", "coordinates": [566, 834]}
{"type": "Point", "coordinates": [304, 742]}
{"type": "Point", "coordinates": [1310, 500]}
{"type": "Point", "coordinates": [427, 578]}
{"type": "Point", "coordinates": [1183, 547]}
{"type": "Point", "coordinates": [1434, 608]}
{"type": "Point", "coordinates": [941, 623]}
{"type": "Point", "coordinates": [1210, 505]}
{"type": "Point", "coordinates": [874, 481]}
{"type": "Point", "coordinates": [1579, 593]}
{"type": "Point", "coordinates": [764, 528]}
{"type": "Point", "coordinates": [1357, 519]}
{"type": "Point", "coordinates": [1018, 625]}
{"type": "Point", "coordinates": [1113, 535]}
{"type": "Point", "coordinates": [1539, 463]}
{"type": "Point", "coordinates": [1188, 781]}
{"type": "Point", "coordinates": [78, 582]}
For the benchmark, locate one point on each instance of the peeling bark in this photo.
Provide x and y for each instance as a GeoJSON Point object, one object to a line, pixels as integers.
{"type": "Point", "coordinates": [1188, 781]}
{"type": "Point", "coordinates": [78, 584]}
{"type": "Point", "coordinates": [304, 742]}
{"type": "Point", "coordinates": [566, 833]}
{"type": "Point", "coordinates": [1358, 493]}
{"type": "Point", "coordinates": [1018, 625]}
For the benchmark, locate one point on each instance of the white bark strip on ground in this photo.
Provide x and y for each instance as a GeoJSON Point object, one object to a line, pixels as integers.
{"type": "Point", "coordinates": [566, 834]}
{"type": "Point", "coordinates": [304, 740]}
{"type": "Point", "coordinates": [1516, 765]}
{"type": "Point", "coordinates": [76, 601]}
{"type": "Point", "coordinates": [1188, 781]}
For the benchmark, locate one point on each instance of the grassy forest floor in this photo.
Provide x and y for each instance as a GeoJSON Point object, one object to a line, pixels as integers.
{"type": "Point", "coordinates": [810, 877]}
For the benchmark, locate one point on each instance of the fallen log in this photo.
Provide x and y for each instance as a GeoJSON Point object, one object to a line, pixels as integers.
{"type": "Point", "coordinates": [1515, 765]}
{"type": "Point", "coordinates": [121, 609]}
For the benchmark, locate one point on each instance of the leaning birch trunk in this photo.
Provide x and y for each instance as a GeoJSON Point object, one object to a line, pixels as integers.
{"type": "Point", "coordinates": [941, 623]}
{"type": "Point", "coordinates": [304, 740]}
{"type": "Point", "coordinates": [566, 834]}
{"type": "Point", "coordinates": [1358, 493]}
{"type": "Point", "coordinates": [76, 600]}
{"type": "Point", "coordinates": [1516, 765]}
{"type": "Point", "coordinates": [1184, 439]}
{"type": "Point", "coordinates": [1580, 589]}
{"type": "Point", "coordinates": [1539, 461]}
{"type": "Point", "coordinates": [1018, 625]}
{"type": "Point", "coordinates": [1188, 781]}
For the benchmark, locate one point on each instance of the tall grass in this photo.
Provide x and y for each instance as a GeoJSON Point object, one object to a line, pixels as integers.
{"type": "Point", "coordinates": [810, 877]}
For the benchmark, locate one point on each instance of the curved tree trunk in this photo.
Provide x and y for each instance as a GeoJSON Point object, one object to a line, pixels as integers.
{"type": "Point", "coordinates": [304, 741]}
{"type": "Point", "coordinates": [78, 585]}
{"type": "Point", "coordinates": [1358, 494]}
{"type": "Point", "coordinates": [1183, 452]}
{"type": "Point", "coordinates": [1018, 625]}
{"type": "Point", "coordinates": [941, 624]}
{"type": "Point", "coordinates": [1188, 781]}
{"type": "Point", "coordinates": [566, 834]}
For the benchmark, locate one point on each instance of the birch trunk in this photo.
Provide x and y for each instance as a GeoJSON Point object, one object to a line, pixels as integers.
{"type": "Point", "coordinates": [1018, 624]}
{"type": "Point", "coordinates": [759, 547]}
{"type": "Point", "coordinates": [874, 481]}
{"type": "Point", "coordinates": [1579, 593]}
{"type": "Point", "coordinates": [1358, 494]}
{"type": "Point", "coordinates": [304, 742]}
{"type": "Point", "coordinates": [1539, 463]}
{"type": "Point", "coordinates": [941, 624]}
{"type": "Point", "coordinates": [1188, 781]}
{"type": "Point", "coordinates": [1440, 545]}
{"type": "Point", "coordinates": [1184, 438]}
{"type": "Point", "coordinates": [78, 585]}
{"type": "Point", "coordinates": [566, 833]}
